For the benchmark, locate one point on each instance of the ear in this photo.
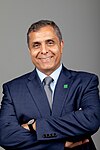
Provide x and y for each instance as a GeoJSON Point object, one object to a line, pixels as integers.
{"type": "Point", "coordinates": [62, 45]}
{"type": "Point", "coordinates": [29, 50]}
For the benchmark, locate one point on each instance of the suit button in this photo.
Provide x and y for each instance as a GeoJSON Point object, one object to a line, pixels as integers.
{"type": "Point", "coordinates": [44, 135]}
{"type": "Point", "coordinates": [55, 135]}
{"type": "Point", "coordinates": [51, 135]}
{"type": "Point", "coordinates": [48, 135]}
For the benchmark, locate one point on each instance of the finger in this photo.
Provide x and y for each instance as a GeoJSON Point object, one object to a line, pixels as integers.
{"type": "Point", "coordinates": [68, 144]}
{"type": "Point", "coordinates": [79, 143]}
{"type": "Point", "coordinates": [71, 144]}
{"type": "Point", "coordinates": [25, 126]}
{"type": "Point", "coordinates": [76, 144]}
{"type": "Point", "coordinates": [85, 141]}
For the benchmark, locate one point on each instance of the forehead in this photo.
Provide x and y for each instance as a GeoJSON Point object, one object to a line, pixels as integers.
{"type": "Point", "coordinates": [43, 33]}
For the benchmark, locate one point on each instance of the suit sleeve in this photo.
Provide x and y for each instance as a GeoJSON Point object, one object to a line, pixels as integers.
{"type": "Point", "coordinates": [12, 135]}
{"type": "Point", "coordinates": [76, 124]}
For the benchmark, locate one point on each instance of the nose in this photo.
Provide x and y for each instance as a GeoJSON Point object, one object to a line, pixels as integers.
{"type": "Point", "coordinates": [44, 49]}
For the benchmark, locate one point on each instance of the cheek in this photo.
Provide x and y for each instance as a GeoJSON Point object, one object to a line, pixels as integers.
{"type": "Point", "coordinates": [58, 53]}
{"type": "Point", "coordinates": [57, 49]}
{"type": "Point", "coordinates": [33, 54]}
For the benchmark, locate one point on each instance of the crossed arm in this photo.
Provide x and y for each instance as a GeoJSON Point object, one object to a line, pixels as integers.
{"type": "Point", "coordinates": [67, 143]}
{"type": "Point", "coordinates": [82, 122]}
{"type": "Point", "coordinates": [77, 124]}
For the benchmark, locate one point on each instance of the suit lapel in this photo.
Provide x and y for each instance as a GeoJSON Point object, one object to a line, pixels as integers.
{"type": "Point", "coordinates": [36, 89]}
{"type": "Point", "coordinates": [61, 91]}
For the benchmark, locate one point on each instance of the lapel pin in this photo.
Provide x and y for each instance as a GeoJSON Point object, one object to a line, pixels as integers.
{"type": "Point", "coordinates": [65, 86]}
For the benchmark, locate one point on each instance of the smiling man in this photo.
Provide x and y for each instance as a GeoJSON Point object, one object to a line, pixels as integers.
{"type": "Point", "coordinates": [46, 49]}
{"type": "Point", "coordinates": [51, 108]}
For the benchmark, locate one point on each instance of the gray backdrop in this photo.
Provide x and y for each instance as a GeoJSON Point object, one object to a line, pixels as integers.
{"type": "Point", "coordinates": [79, 21]}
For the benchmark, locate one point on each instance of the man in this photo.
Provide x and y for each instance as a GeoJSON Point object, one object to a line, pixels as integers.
{"type": "Point", "coordinates": [32, 120]}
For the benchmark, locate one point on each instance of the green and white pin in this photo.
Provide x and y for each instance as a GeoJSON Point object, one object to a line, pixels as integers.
{"type": "Point", "coordinates": [65, 86]}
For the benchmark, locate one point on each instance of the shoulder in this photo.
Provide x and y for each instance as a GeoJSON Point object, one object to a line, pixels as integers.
{"type": "Point", "coordinates": [18, 80]}
{"type": "Point", "coordinates": [83, 75]}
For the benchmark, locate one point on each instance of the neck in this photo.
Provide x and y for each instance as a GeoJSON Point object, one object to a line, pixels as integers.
{"type": "Point", "coordinates": [48, 72]}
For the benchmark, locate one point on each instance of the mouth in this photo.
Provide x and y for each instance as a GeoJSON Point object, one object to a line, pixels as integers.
{"type": "Point", "coordinates": [46, 59]}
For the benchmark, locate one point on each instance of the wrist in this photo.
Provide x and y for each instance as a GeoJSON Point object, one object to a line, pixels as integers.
{"type": "Point", "coordinates": [34, 125]}
{"type": "Point", "coordinates": [31, 125]}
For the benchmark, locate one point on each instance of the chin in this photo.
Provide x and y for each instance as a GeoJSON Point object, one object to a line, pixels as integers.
{"type": "Point", "coordinates": [47, 66]}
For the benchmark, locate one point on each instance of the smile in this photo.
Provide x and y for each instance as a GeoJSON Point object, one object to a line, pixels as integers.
{"type": "Point", "coordinates": [46, 57]}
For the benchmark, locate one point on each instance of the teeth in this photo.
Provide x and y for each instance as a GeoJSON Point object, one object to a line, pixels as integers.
{"type": "Point", "coordinates": [45, 58]}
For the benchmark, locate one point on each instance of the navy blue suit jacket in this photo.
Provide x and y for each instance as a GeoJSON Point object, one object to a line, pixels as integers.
{"type": "Point", "coordinates": [75, 113]}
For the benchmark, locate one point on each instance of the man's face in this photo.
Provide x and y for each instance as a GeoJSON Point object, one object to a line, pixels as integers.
{"type": "Point", "coordinates": [45, 49]}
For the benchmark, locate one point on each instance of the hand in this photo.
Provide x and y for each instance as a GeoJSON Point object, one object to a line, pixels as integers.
{"type": "Point", "coordinates": [25, 126]}
{"type": "Point", "coordinates": [72, 144]}
{"type": "Point", "coordinates": [34, 125]}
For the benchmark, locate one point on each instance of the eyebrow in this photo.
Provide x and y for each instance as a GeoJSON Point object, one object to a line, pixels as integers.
{"type": "Point", "coordinates": [36, 42]}
{"type": "Point", "coordinates": [52, 39]}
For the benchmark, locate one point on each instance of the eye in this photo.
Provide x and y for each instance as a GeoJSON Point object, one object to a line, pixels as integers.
{"type": "Point", "coordinates": [50, 42]}
{"type": "Point", "coordinates": [36, 45]}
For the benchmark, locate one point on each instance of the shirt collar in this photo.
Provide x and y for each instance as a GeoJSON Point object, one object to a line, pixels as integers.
{"type": "Point", "coordinates": [54, 75]}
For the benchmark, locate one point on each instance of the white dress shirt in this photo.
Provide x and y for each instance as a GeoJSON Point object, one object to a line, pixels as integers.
{"type": "Point", "coordinates": [54, 75]}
